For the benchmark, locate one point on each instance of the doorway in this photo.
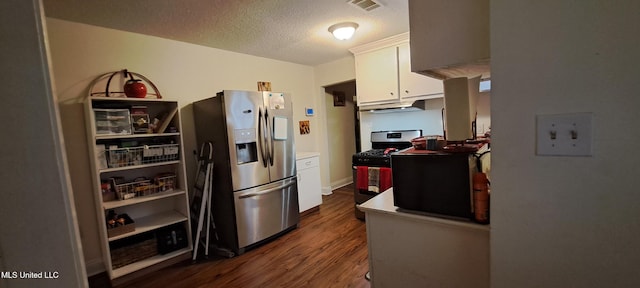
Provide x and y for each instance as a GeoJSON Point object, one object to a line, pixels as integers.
{"type": "Point", "coordinates": [342, 131]}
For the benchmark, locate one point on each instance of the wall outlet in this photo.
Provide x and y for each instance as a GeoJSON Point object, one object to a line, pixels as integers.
{"type": "Point", "coordinates": [564, 134]}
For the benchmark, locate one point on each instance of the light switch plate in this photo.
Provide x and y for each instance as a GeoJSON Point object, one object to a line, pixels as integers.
{"type": "Point", "coordinates": [564, 134]}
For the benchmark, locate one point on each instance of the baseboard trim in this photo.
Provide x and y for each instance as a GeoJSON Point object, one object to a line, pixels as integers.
{"type": "Point", "coordinates": [327, 190]}
{"type": "Point", "coordinates": [94, 267]}
{"type": "Point", "coordinates": [309, 211]}
{"type": "Point", "coordinates": [341, 183]}
{"type": "Point", "coordinates": [125, 280]}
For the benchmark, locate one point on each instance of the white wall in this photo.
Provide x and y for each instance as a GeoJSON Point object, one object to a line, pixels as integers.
{"type": "Point", "coordinates": [182, 72]}
{"type": "Point", "coordinates": [428, 120]}
{"type": "Point", "coordinates": [565, 221]}
{"type": "Point", "coordinates": [483, 119]}
{"type": "Point", "coordinates": [39, 232]}
{"type": "Point", "coordinates": [341, 136]}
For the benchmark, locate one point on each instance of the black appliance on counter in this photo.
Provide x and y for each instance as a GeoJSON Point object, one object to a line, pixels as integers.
{"type": "Point", "coordinates": [381, 142]}
{"type": "Point", "coordinates": [434, 183]}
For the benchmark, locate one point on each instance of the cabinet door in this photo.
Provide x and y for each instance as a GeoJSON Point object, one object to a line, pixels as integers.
{"type": "Point", "coordinates": [413, 84]}
{"type": "Point", "coordinates": [377, 76]}
{"type": "Point", "coordinates": [309, 190]}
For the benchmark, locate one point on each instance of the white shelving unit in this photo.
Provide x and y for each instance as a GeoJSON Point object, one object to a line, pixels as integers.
{"type": "Point", "coordinates": [156, 205]}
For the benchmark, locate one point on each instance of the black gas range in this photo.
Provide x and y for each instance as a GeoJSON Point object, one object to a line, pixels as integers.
{"type": "Point", "coordinates": [383, 143]}
{"type": "Point", "coordinates": [373, 157]}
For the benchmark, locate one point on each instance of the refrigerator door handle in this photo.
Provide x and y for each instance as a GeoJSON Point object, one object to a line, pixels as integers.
{"type": "Point", "coordinates": [270, 146]}
{"type": "Point", "coordinates": [261, 138]}
{"type": "Point", "coordinates": [254, 194]}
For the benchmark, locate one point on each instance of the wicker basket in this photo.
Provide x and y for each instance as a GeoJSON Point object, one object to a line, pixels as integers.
{"type": "Point", "coordinates": [133, 253]}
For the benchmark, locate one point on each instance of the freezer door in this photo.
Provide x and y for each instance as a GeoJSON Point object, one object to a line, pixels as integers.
{"type": "Point", "coordinates": [282, 162]}
{"type": "Point", "coordinates": [264, 211]}
{"type": "Point", "coordinates": [247, 158]}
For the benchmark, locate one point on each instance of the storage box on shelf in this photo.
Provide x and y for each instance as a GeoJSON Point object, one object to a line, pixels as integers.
{"type": "Point", "coordinates": [138, 169]}
{"type": "Point", "coordinates": [112, 121]}
{"type": "Point", "coordinates": [119, 224]}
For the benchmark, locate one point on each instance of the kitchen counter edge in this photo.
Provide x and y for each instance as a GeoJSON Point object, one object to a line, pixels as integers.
{"type": "Point", "coordinates": [383, 203]}
{"type": "Point", "coordinates": [305, 155]}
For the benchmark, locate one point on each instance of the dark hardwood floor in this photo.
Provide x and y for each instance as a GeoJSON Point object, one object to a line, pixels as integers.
{"type": "Point", "coordinates": [328, 249]}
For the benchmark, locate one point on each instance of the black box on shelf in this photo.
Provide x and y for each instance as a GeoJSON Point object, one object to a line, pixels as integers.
{"type": "Point", "coordinates": [171, 238]}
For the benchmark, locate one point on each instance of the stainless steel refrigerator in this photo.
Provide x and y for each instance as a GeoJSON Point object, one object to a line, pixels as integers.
{"type": "Point", "coordinates": [255, 194]}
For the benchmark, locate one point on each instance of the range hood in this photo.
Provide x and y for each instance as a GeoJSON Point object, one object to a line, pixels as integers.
{"type": "Point", "coordinates": [417, 105]}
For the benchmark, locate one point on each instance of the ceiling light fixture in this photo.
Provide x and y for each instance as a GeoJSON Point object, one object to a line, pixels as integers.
{"type": "Point", "coordinates": [343, 31]}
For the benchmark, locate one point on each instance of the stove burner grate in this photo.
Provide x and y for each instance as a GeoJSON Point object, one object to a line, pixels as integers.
{"type": "Point", "coordinates": [374, 157]}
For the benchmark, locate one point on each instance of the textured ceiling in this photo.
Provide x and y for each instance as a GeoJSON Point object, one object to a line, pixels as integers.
{"type": "Point", "coordinates": [287, 30]}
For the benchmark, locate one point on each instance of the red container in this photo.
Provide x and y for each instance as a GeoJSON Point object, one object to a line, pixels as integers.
{"type": "Point", "coordinates": [135, 89]}
{"type": "Point", "coordinates": [419, 143]}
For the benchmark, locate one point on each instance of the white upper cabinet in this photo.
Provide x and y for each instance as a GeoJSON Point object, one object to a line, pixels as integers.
{"type": "Point", "coordinates": [414, 85]}
{"type": "Point", "coordinates": [450, 38]}
{"type": "Point", "coordinates": [377, 76]}
{"type": "Point", "coordinates": [383, 74]}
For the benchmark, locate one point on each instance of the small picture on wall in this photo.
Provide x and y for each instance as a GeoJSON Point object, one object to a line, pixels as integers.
{"type": "Point", "coordinates": [264, 86]}
{"type": "Point", "coordinates": [304, 127]}
{"type": "Point", "coordinates": [338, 98]}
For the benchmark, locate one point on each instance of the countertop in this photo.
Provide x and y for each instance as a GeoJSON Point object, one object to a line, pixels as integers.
{"type": "Point", "coordinates": [383, 203]}
{"type": "Point", "coordinates": [305, 155]}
